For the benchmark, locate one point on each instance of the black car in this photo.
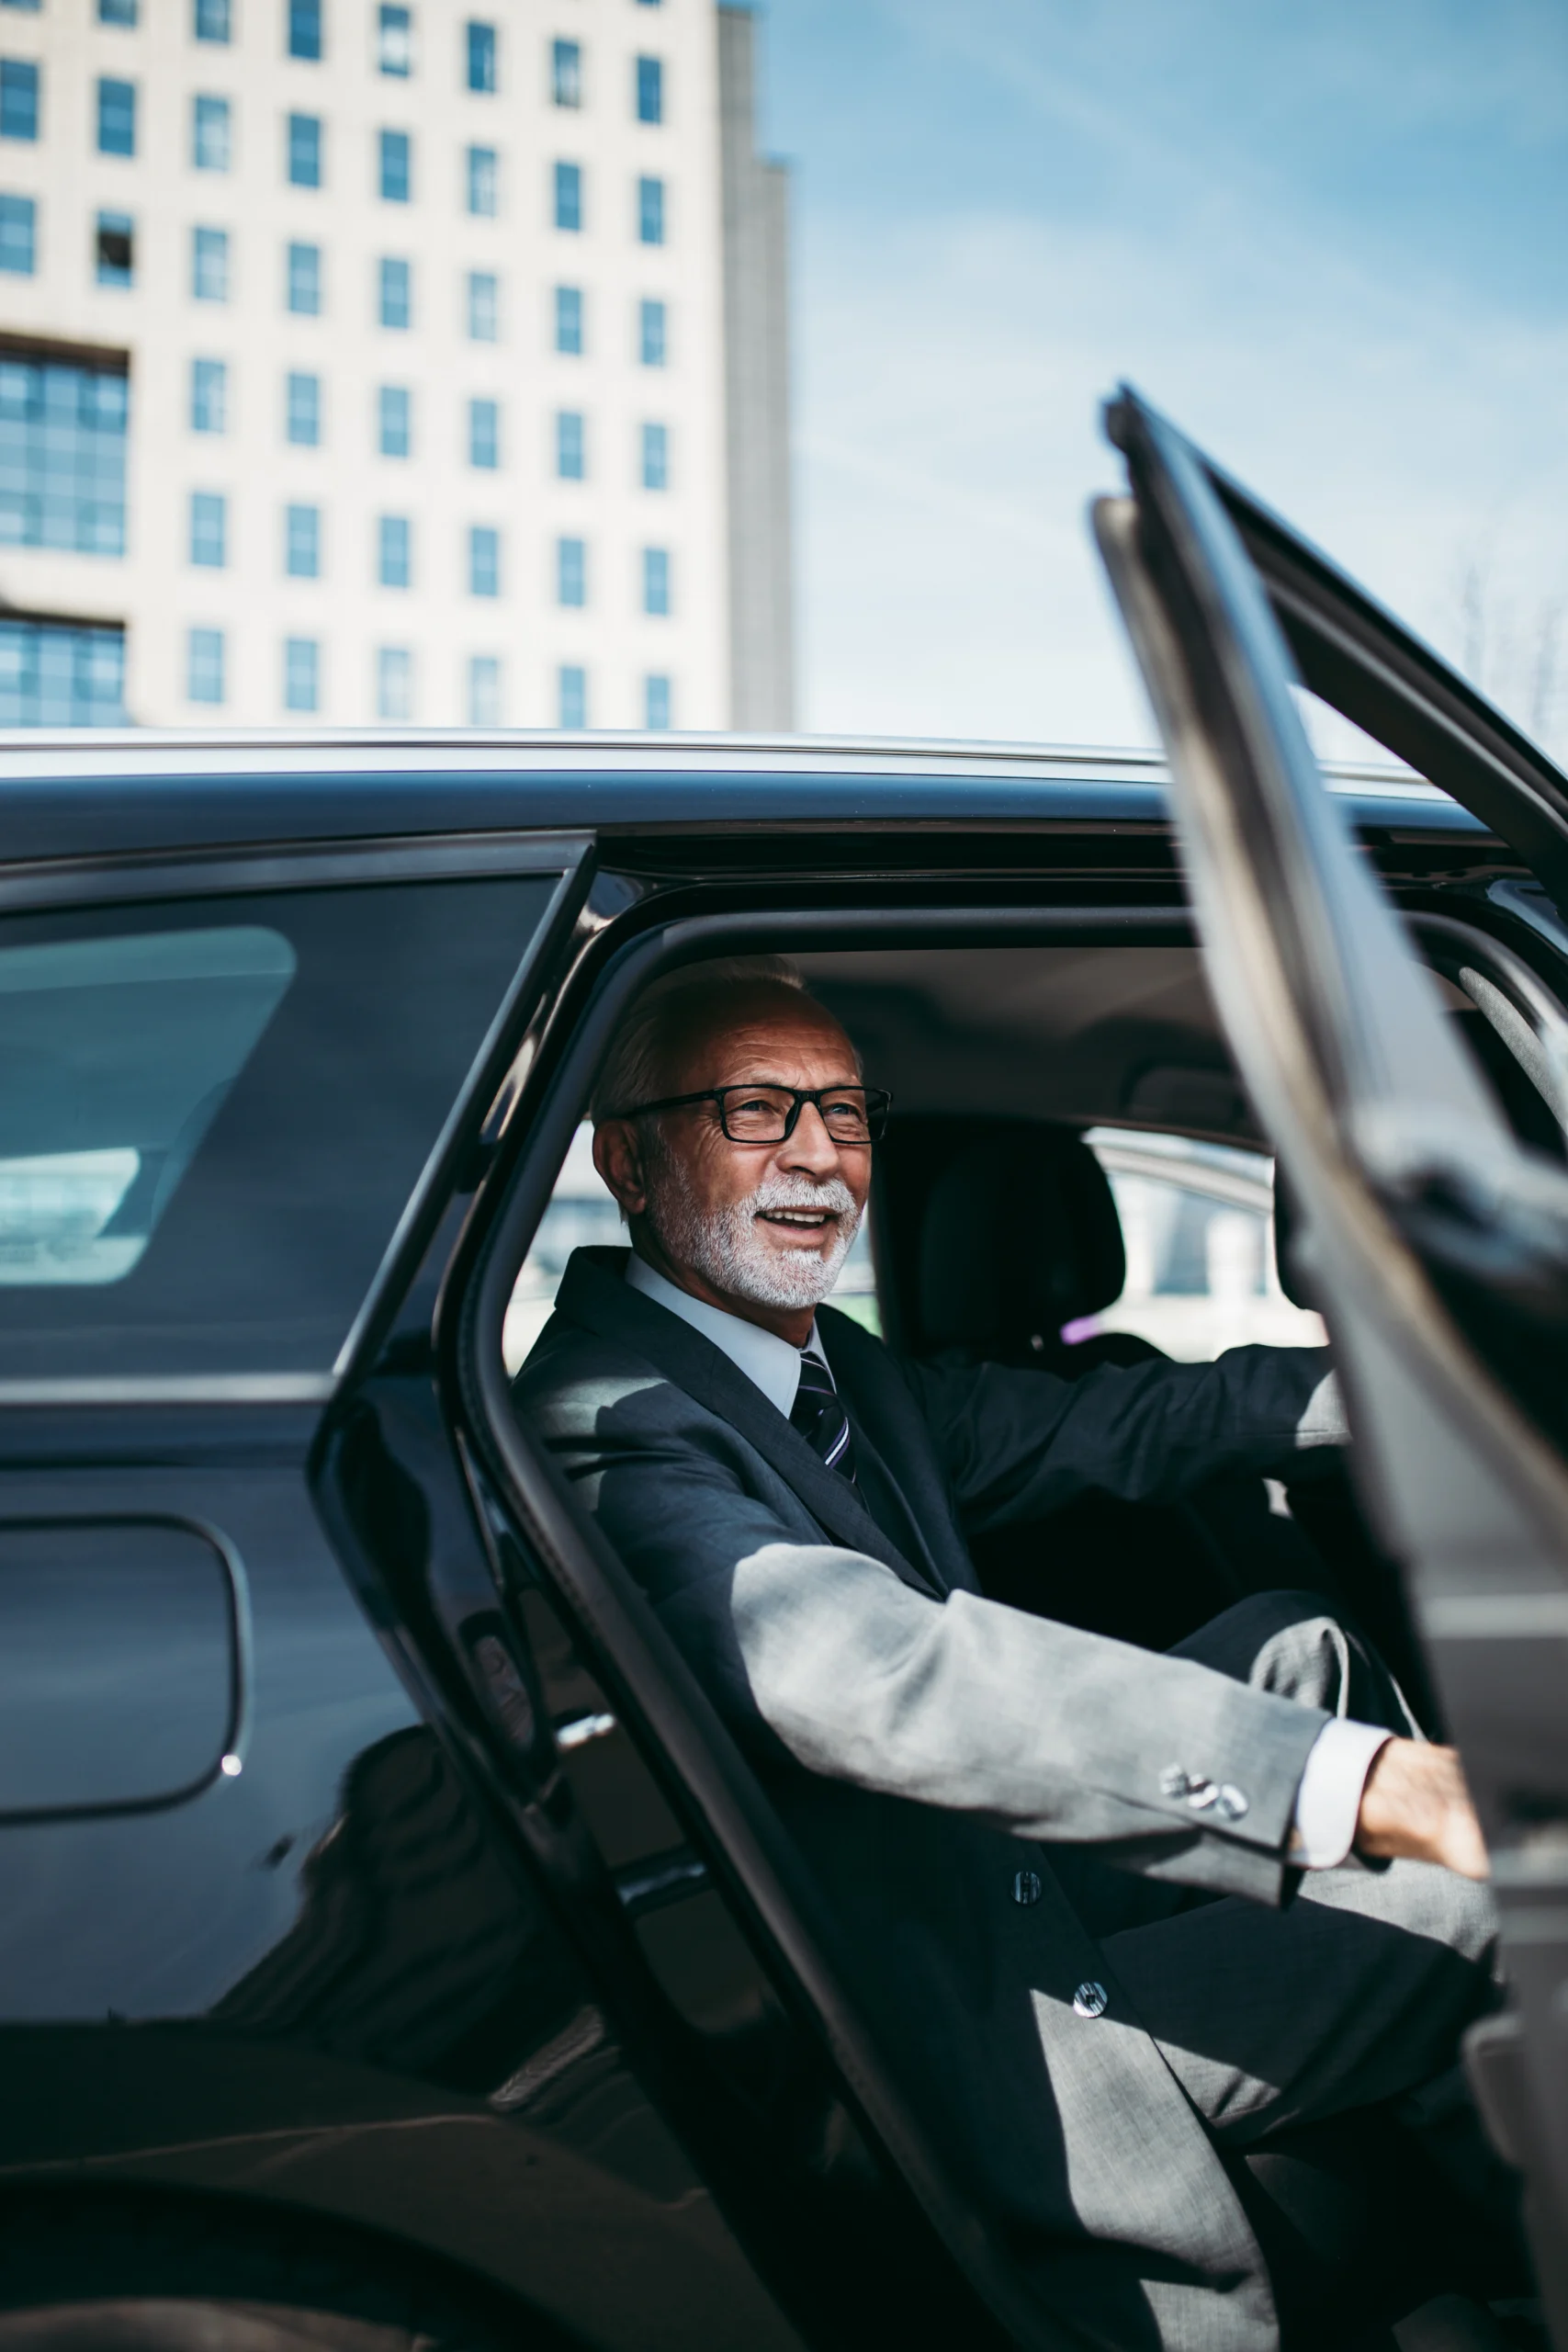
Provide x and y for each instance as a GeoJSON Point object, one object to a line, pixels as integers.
{"type": "Point", "coordinates": [393, 1948]}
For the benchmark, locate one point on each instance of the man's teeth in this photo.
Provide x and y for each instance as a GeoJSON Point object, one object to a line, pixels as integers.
{"type": "Point", "coordinates": [797, 1217]}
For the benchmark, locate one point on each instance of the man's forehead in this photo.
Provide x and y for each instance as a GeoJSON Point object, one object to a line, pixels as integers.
{"type": "Point", "coordinates": [760, 1039]}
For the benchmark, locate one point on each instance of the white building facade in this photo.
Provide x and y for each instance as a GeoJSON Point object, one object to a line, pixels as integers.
{"type": "Point", "coordinates": [366, 363]}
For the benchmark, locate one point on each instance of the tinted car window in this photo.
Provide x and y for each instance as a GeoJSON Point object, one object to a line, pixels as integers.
{"type": "Point", "coordinates": [213, 1112]}
{"type": "Point", "coordinates": [116, 1054]}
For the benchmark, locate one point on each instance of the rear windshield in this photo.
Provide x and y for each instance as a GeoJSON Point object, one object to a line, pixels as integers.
{"type": "Point", "coordinates": [213, 1112]}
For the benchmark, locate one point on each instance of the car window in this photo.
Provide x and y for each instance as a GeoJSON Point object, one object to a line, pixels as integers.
{"type": "Point", "coordinates": [117, 1055]}
{"type": "Point", "coordinates": [581, 1214]}
{"type": "Point", "coordinates": [1198, 1227]}
{"type": "Point", "coordinates": [213, 1112]}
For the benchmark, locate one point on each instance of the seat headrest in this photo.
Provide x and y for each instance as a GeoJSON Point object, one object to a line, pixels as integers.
{"type": "Point", "coordinates": [1019, 1235]}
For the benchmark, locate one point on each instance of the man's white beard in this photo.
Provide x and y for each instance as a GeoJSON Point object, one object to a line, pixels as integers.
{"type": "Point", "coordinates": [726, 1248]}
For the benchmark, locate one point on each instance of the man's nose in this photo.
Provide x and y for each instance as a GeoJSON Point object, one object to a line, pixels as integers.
{"type": "Point", "coordinates": [810, 1146]}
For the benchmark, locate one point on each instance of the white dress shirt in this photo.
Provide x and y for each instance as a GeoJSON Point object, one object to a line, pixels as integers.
{"type": "Point", "coordinates": [1329, 1802]}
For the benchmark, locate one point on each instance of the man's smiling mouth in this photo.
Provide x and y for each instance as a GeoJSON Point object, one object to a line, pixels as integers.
{"type": "Point", "coordinates": [813, 1218]}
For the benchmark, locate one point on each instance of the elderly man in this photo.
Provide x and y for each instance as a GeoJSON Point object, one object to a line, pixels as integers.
{"type": "Point", "coordinates": [1111, 1912]}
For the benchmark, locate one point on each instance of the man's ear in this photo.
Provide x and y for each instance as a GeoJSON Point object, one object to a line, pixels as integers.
{"type": "Point", "coordinates": [618, 1157]}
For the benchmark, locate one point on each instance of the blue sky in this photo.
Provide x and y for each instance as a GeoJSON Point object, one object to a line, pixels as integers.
{"type": "Point", "coordinates": [1332, 241]}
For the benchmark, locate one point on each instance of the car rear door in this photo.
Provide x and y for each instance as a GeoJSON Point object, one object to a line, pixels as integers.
{"type": "Point", "coordinates": [1436, 1242]}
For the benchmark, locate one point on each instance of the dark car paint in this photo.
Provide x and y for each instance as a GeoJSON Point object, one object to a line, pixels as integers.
{"type": "Point", "coordinates": [414, 1968]}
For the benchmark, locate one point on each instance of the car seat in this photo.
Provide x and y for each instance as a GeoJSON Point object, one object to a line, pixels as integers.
{"type": "Point", "coordinates": [1016, 1236]}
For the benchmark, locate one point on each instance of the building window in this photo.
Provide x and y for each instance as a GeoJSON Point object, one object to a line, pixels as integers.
{"type": "Point", "coordinates": [30, 7]}
{"type": "Point", "coordinates": [114, 249]}
{"type": "Point", "coordinates": [396, 167]}
{"type": "Point", "coordinates": [566, 73]}
{"type": "Point", "coordinates": [209, 265]}
{"type": "Point", "coordinates": [210, 21]}
{"type": "Point", "coordinates": [484, 434]}
{"type": "Point", "coordinates": [656, 456]}
{"type": "Point", "coordinates": [571, 572]}
{"type": "Point", "coordinates": [210, 139]}
{"type": "Point", "coordinates": [569, 320]}
{"type": "Point", "coordinates": [18, 240]}
{"type": "Point", "coordinates": [650, 211]}
{"type": "Point", "coordinates": [484, 691]}
{"type": "Point", "coordinates": [301, 673]}
{"type": "Point", "coordinates": [651, 334]}
{"type": "Point", "coordinates": [480, 44]}
{"type": "Point", "coordinates": [395, 290]}
{"type": "Point", "coordinates": [394, 682]}
{"type": "Point", "coordinates": [568, 196]}
{"type": "Point", "coordinates": [116, 118]}
{"type": "Point", "coordinates": [302, 409]}
{"type": "Point", "coordinates": [650, 89]}
{"type": "Point", "coordinates": [394, 551]}
{"type": "Point", "coordinates": [484, 306]}
{"type": "Point", "coordinates": [61, 457]}
{"type": "Point", "coordinates": [54, 676]}
{"type": "Point", "coordinates": [209, 396]}
{"type": "Point", "coordinates": [484, 560]}
{"type": "Point", "coordinates": [209, 529]}
{"type": "Point", "coordinates": [305, 151]}
{"type": "Point", "coordinates": [204, 665]}
{"type": "Point", "coordinates": [305, 36]}
{"type": "Point", "coordinates": [483, 180]}
{"type": "Point", "coordinates": [394, 41]}
{"type": "Point", "coordinates": [304, 280]}
{"type": "Point", "coordinates": [18, 99]}
{"type": "Point", "coordinates": [655, 702]}
{"type": "Point", "coordinates": [571, 696]}
{"type": "Point", "coordinates": [394, 420]}
{"type": "Point", "coordinates": [118, 12]}
{"type": "Point", "coordinates": [570, 456]}
{"type": "Point", "coordinates": [656, 581]}
{"type": "Point", "coordinates": [302, 542]}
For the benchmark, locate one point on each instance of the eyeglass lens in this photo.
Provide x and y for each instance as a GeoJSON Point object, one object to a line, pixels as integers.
{"type": "Point", "coordinates": [762, 1115]}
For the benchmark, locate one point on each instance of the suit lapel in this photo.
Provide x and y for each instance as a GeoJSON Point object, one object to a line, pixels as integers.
{"type": "Point", "coordinates": [594, 1293]}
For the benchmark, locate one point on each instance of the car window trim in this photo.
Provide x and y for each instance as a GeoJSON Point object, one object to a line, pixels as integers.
{"type": "Point", "coordinates": [31, 886]}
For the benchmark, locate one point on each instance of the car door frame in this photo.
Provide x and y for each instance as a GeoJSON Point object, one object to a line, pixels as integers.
{"type": "Point", "coordinates": [1365, 1093]}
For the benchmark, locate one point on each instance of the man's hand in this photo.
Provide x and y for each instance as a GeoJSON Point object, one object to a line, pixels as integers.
{"type": "Point", "coordinates": [1415, 1805]}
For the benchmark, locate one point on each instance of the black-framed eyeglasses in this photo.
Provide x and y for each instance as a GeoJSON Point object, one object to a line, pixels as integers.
{"type": "Point", "coordinates": [769, 1113]}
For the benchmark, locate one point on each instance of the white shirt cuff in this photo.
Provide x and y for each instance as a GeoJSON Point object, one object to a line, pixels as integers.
{"type": "Point", "coordinates": [1329, 1802]}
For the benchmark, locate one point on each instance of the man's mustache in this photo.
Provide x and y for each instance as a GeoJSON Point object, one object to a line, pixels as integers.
{"type": "Point", "coordinates": [833, 1197]}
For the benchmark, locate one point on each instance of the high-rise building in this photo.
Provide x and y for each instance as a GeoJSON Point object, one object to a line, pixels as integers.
{"type": "Point", "coordinates": [364, 362]}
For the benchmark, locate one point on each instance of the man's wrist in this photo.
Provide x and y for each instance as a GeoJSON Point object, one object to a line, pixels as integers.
{"type": "Point", "coordinates": [1328, 1799]}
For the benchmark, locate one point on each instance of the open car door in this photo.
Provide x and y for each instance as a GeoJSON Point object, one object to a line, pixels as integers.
{"type": "Point", "coordinates": [1435, 1241]}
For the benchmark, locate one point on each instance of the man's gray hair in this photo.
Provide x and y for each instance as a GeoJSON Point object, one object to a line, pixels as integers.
{"type": "Point", "coordinates": [632, 1070]}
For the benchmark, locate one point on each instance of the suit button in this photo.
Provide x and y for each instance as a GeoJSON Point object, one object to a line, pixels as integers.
{"type": "Point", "coordinates": [1090, 2000]}
{"type": "Point", "coordinates": [1231, 1802]}
{"type": "Point", "coordinates": [1173, 1782]}
{"type": "Point", "coordinates": [1026, 1887]}
{"type": "Point", "coordinates": [1201, 1794]}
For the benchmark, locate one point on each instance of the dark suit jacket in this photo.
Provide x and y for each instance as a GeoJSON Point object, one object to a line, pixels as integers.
{"type": "Point", "coordinates": [911, 1733]}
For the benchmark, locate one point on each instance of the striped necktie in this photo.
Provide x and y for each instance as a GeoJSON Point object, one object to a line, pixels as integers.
{"type": "Point", "coordinates": [820, 1418]}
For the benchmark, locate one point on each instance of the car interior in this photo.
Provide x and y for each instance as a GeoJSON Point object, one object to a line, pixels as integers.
{"type": "Point", "coordinates": [1072, 1178]}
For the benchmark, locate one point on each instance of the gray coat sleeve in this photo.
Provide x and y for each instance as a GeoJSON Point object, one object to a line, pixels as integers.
{"type": "Point", "coordinates": [1018, 1444]}
{"type": "Point", "coordinates": [825, 1653]}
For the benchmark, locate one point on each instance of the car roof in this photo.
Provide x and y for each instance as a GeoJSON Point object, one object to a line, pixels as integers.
{"type": "Point", "coordinates": [93, 793]}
